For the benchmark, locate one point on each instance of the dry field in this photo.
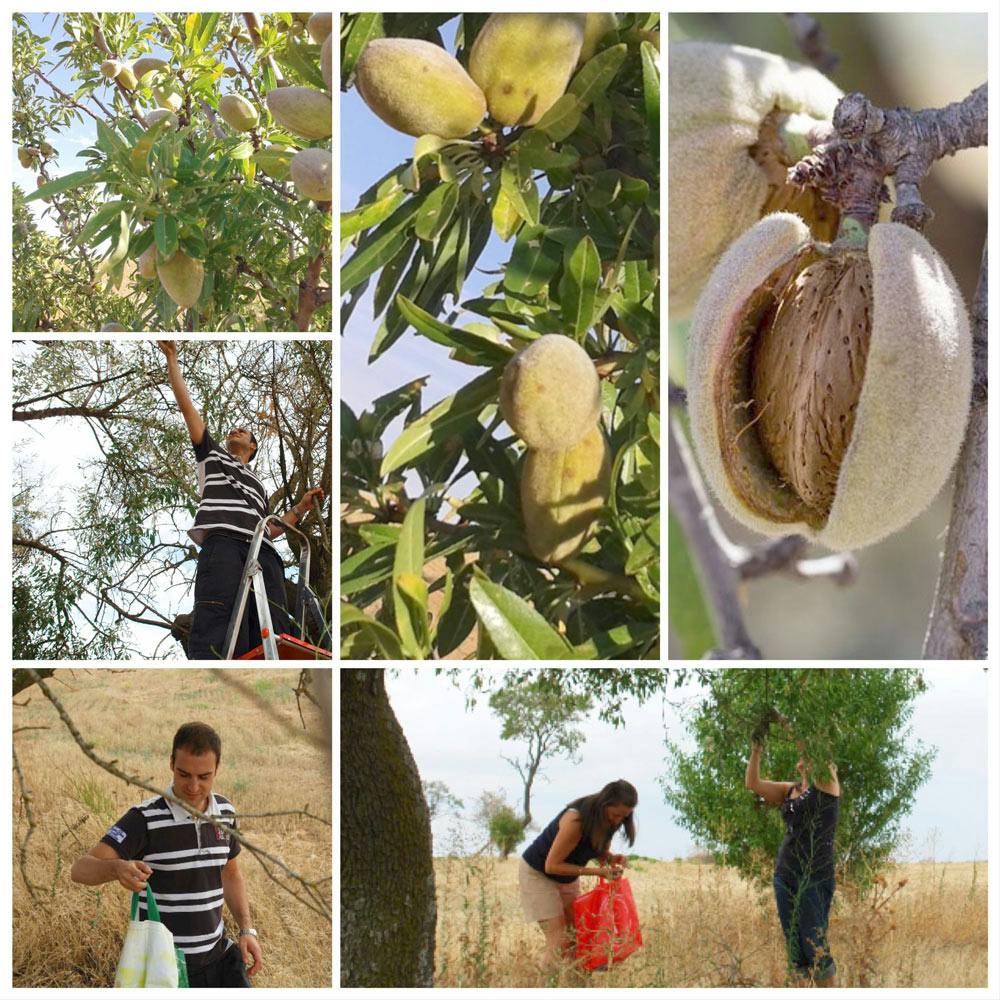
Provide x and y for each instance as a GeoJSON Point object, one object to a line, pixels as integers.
{"type": "Point", "coordinates": [72, 936]}
{"type": "Point", "coordinates": [705, 927]}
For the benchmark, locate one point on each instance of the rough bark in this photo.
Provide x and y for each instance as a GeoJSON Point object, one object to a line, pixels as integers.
{"type": "Point", "coordinates": [388, 910]}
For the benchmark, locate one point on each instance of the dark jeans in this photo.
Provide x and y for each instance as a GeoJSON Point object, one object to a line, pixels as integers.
{"type": "Point", "coordinates": [227, 971]}
{"type": "Point", "coordinates": [220, 567]}
{"type": "Point", "coordinates": [804, 911]}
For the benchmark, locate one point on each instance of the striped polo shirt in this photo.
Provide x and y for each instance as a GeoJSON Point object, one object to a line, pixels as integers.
{"type": "Point", "coordinates": [233, 499]}
{"type": "Point", "coordinates": [187, 857]}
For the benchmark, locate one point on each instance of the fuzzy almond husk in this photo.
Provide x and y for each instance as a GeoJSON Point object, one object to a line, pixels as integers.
{"type": "Point", "coordinates": [238, 113]}
{"type": "Point", "coordinates": [720, 97]}
{"type": "Point", "coordinates": [597, 26]}
{"type": "Point", "coordinates": [182, 278]}
{"type": "Point", "coordinates": [562, 495]}
{"type": "Point", "coordinates": [550, 394]}
{"type": "Point", "coordinates": [158, 115]}
{"type": "Point", "coordinates": [319, 26]}
{"type": "Point", "coordinates": [912, 403]}
{"type": "Point", "coordinates": [147, 64]}
{"type": "Point", "coordinates": [302, 110]}
{"type": "Point", "coordinates": [326, 61]}
{"type": "Point", "coordinates": [523, 63]}
{"type": "Point", "coordinates": [147, 262]}
{"type": "Point", "coordinates": [312, 174]}
{"type": "Point", "coordinates": [168, 97]}
{"type": "Point", "coordinates": [418, 88]}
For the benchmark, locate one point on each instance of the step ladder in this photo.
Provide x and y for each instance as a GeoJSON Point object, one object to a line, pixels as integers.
{"type": "Point", "coordinates": [281, 646]}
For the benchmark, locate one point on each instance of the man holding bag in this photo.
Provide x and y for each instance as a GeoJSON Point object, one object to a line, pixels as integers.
{"type": "Point", "coordinates": [190, 865]}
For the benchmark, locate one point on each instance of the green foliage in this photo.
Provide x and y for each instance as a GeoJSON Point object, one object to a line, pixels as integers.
{"type": "Point", "coordinates": [195, 184]}
{"type": "Point", "coordinates": [111, 560]}
{"type": "Point", "coordinates": [856, 719]}
{"type": "Point", "coordinates": [506, 831]}
{"type": "Point", "coordinates": [577, 195]}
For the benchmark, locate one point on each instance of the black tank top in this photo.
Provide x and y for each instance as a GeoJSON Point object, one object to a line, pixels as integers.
{"type": "Point", "coordinates": [538, 850]}
{"type": "Point", "coordinates": [806, 853]}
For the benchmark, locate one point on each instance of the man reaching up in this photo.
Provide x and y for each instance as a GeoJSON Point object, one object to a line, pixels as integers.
{"type": "Point", "coordinates": [232, 503]}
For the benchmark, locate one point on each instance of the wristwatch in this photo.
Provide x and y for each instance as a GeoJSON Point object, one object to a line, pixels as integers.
{"type": "Point", "coordinates": [252, 931]}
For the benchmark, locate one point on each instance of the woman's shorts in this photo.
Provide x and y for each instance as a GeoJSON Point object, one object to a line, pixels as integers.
{"type": "Point", "coordinates": [543, 898]}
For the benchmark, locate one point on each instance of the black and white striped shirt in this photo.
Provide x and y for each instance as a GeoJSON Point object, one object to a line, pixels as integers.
{"type": "Point", "coordinates": [233, 499]}
{"type": "Point", "coordinates": [187, 857]}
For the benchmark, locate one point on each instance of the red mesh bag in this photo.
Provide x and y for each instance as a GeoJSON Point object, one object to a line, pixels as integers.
{"type": "Point", "coordinates": [607, 924]}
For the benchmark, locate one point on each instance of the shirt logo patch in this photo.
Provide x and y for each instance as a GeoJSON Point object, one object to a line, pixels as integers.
{"type": "Point", "coordinates": [117, 834]}
{"type": "Point", "coordinates": [221, 835]}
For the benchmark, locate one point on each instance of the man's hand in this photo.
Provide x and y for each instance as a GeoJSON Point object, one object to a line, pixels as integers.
{"type": "Point", "coordinates": [133, 874]}
{"type": "Point", "coordinates": [305, 504]}
{"type": "Point", "coordinates": [250, 948]}
{"type": "Point", "coordinates": [169, 348]}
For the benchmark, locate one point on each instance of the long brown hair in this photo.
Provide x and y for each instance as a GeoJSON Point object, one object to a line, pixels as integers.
{"type": "Point", "coordinates": [591, 809]}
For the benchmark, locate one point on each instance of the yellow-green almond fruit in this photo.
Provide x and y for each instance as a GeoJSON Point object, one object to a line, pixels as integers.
{"type": "Point", "coordinates": [302, 110]}
{"type": "Point", "coordinates": [523, 63]}
{"type": "Point", "coordinates": [550, 394]}
{"type": "Point", "coordinates": [738, 119]}
{"type": "Point", "coordinates": [127, 78]}
{"type": "Point", "coordinates": [168, 97]}
{"type": "Point", "coordinates": [238, 113]}
{"type": "Point", "coordinates": [597, 26]}
{"type": "Point", "coordinates": [828, 385]}
{"type": "Point", "coordinates": [562, 495]}
{"type": "Point", "coordinates": [182, 279]}
{"type": "Point", "coordinates": [24, 157]}
{"type": "Point", "coordinates": [312, 174]}
{"type": "Point", "coordinates": [418, 88]}
{"type": "Point", "coordinates": [147, 262]}
{"type": "Point", "coordinates": [47, 150]}
{"type": "Point", "coordinates": [326, 61]}
{"type": "Point", "coordinates": [113, 328]}
{"type": "Point", "coordinates": [275, 161]}
{"type": "Point", "coordinates": [158, 114]}
{"type": "Point", "coordinates": [110, 68]}
{"type": "Point", "coordinates": [146, 64]}
{"type": "Point", "coordinates": [320, 26]}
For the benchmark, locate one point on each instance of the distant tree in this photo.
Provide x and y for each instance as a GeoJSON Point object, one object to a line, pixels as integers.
{"type": "Point", "coordinates": [858, 719]}
{"type": "Point", "coordinates": [439, 798]}
{"type": "Point", "coordinates": [544, 718]}
{"type": "Point", "coordinates": [506, 831]}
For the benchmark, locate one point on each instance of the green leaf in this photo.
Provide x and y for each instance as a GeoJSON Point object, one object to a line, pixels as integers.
{"type": "Point", "coordinates": [562, 119]}
{"type": "Point", "coordinates": [596, 74]}
{"type": "Point", "coordinates": [451, 336]}
{"type": "Point", "coordinates": [367, 216]}
{"type": "Point", "coordinates": [578, 287]}
{"type": "Point", "coordinates": [519, 186]}
{"type": "Point", "coordinates": [120, 251]}
{"type": "Point", "coordinates": [533, 262]}
{"type": "Point", "coordinates": [165, 231]}
{"type": "Point", "coordinates": [515, 628]}
{"type": "Point", "coordinates": [81, 178]}
{"type": "Point", "coordinates": [534, 151]}
{"type": "Point", "coordinates": [651, 96]}
{"type": "Point", "coordinates": [690, 619]}
{"type": "Point", "coordinates": [436, 211]}
{"type": "Point", "coordinates": [645, 547]}
{"type": "Point", "coordinates": [384, 245]}
{"type": "Point", "coordinates": [443, 423]}
{"type": "Point", "coordinates": [365, 28]}
{"type": "Point", "coordinates": [383, 636]}
{"type": "Point", "coordinates": [98, 220]}
{"type": "Point", "coordinates": [506, 221]}
{"type": "Point", "coordinates": [409, 601]}
{"type": "Point", "coordinates": [618, 640]}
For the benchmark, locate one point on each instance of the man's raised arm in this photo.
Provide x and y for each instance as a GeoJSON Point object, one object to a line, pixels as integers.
{"type": "Point", "coordinates": [195, 425]}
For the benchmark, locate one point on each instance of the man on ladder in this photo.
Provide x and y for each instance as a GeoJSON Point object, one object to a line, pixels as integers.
{"type": "Point", "coordinates": [232, 503]}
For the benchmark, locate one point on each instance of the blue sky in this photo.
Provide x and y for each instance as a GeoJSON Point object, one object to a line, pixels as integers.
{"type": "Point", "coordinates": [463, 749]}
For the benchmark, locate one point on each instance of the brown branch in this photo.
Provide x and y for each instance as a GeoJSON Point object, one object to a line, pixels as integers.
{"type": "Point", "coordinates": [960, 613]}
{"type": "Point", "coordinates": [811, 41]}
{"type": "Point", "coordinates": [310, 897]}
{"type": "Point", "coordinates": [22, 848]}
{"type": "Point", "coordinates": [866, 144]}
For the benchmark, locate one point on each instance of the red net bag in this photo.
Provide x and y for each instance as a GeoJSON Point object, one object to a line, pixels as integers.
{"type": "Point", "coordinates": [607, 924]}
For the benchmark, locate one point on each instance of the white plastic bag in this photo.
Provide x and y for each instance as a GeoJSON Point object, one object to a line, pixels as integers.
{"type": "Point", "coordinates": [148, 958]}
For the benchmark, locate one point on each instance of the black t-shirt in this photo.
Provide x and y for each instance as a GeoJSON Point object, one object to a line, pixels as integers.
{"type": "Point", "coordinates": [806, 853]}
{"type": "Point", "coordinates": [538, 850]}
{"type": "Point", "coordinates": [187, 858]}
{"type": "Point", "coordinates": [233, 499]}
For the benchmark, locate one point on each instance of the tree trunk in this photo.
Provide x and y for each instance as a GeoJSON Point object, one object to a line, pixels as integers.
{"type": "Point", "coordinates": [388, 910]}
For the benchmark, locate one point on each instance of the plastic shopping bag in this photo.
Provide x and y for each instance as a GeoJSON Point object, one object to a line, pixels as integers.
{"type": "Point", "coordinates": [607, 924]}
{"type": "Point", "coordinates": [149, 958]}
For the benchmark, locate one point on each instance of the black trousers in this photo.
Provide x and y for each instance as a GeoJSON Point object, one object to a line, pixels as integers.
{"type": "Point", "coordinates": [220, 566]}
{"type": "Point", "coordinates": [225, 972]}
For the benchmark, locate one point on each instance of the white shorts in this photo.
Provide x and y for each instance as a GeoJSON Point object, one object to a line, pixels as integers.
{"type": "Point", "coordinates": [543, 898]}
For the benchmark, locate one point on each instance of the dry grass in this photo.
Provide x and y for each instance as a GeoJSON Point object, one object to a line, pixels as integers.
{"type": "Point", "coordinates": [74, 937]}
{"type": "Point", "coordinates": [703, 926]}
